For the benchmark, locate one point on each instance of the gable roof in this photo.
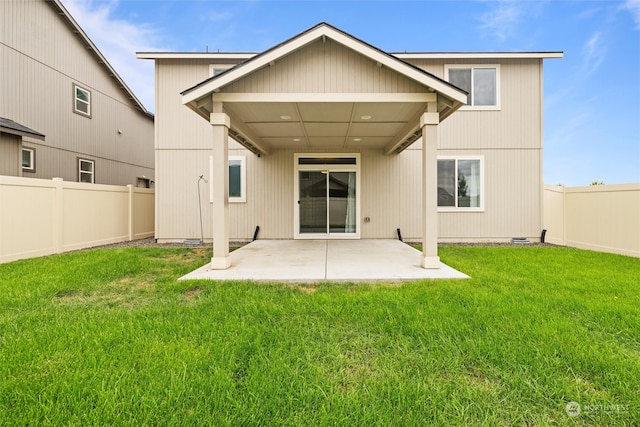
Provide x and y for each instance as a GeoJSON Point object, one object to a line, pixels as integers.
{"type": "Point", "coordinates": [323, 30]}
{"type": "Point", "coordinates": [400, 124]}
{"type": "Point", "coordinates": [64, 14]}
{"type": "Point", "coordinates": [9, 126]}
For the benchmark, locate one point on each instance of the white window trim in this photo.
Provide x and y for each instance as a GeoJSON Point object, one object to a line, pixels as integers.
{"type": "Point", "coordinates": [32, 152]}
{"type": "Point", "coordinates": [92, 173]}
{"type": "Point", "coordinates": [75, 100]}
{"type": "Point", "coordinates": [482, 190]}
{"type": "Point", "coordinates": [496, 107]}
{"type": "Point", "coordinates": [243, 178]}
{"type": "Point", "coordinates": [296, 193]}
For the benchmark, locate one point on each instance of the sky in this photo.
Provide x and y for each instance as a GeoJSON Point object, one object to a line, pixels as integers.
{"type": "Point", "coordinates": [591, 96]}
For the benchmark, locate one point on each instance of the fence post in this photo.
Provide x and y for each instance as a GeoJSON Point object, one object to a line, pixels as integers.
{"type": "Point", "coordinates": [131, 212]}
{"type": "Point", "coordinates": [58, 221]}
{"type": "Point", "coordinates": [564, 215]}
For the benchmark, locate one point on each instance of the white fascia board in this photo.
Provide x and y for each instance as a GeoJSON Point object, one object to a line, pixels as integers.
{"type": "Point", "coordinates": [479, 55]}
{"type": "Point", "coordinates": [399, 55]}
{"type": "Point", "coordinates": [306, 38]}
{"type": "Point", "coordinates": [399, 67]}
{"type": "Point", "coordinates": [194, 55]}
{"type": "Point", "coordinates": [325, 97]}
{"type": "Point", "coordinates": [251, 66]}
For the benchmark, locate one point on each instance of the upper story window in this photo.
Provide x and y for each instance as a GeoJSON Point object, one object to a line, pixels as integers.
{"type": "Point", "coordinates": [215, 69]}
{"type": "Point", "coordinates": [86, 171]}
{"type": "Point", "coordinates": [460, 183]}
{"type": "Point", "coordinates": [81, 101]}
{"type": "Point", "coordinates": [28, 159]}
{"type": "Point", "coordinates": [482, 82]}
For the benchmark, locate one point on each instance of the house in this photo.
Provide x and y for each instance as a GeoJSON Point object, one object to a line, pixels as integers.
{"type": "Point", "coordinates": [327, 137]}
{"type": "Point", "coordinates": [11, 134]}
{"type": "Point", "coordinates": [65, 111]}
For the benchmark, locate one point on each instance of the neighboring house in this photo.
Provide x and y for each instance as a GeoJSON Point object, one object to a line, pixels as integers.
{"type": "Point", "coordinates": [66, 112]}
{"type": "Point", "coordinates": [325, 136]}
{"type": "Point", "coordinates": [12, 156]}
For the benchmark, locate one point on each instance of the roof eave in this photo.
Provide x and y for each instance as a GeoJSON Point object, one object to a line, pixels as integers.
{"type": "Point", "coordinates": [479, 55]}
{"type": "Point", "coordinates": [59, 8]}
{"type": "Point", "coordinates": [196, 55]}
{"type": "Point", "coordinates": [13, 128]}
{"type": "Point", "coordinates": [20, 133]}
{"type": "Point", "coordinates": [320, 31]}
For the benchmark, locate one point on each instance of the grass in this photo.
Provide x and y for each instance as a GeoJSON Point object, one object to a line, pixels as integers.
{"type": "Point", "coordinates": [109, 337]}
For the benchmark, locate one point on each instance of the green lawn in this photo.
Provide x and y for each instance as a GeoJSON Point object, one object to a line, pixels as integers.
{"type": "Point", "coordinates": [109, 337]}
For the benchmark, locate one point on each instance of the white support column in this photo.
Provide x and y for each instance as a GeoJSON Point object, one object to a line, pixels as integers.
{"type": "Point", "coordinates": [220, 182]}
{"type": "Point", "coordinates": [429, 124]}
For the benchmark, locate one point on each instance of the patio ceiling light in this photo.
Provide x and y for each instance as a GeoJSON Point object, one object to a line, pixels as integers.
{"type": "Point", "coordinates": [285, 117]}
{"type": "Point", "coordinates": [365, 117]}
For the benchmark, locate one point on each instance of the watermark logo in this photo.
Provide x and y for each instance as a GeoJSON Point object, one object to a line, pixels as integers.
{"type": "Point", "coordinates": [573, 409]}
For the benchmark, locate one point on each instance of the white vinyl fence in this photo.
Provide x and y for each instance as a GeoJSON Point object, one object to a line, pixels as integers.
{"type": "Point", "coordinates": [603, 218]}
{"type": "Point", "coordinates": [41, 217]}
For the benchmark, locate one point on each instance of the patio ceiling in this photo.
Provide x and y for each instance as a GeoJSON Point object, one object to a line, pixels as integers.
{"type": "Point", "coordinates": [325, 125]}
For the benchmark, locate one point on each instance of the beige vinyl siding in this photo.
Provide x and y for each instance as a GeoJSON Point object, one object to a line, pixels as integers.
{"type": "Point", "coordinates": [518, 123]}
{"type": "Point", "coordinates": [63, 164]}
{"type": "Point", "coordinates": [42, 60]}
{"type": "Point", "coordinates": [390, 197]}
{"type": "Point", "coordinates": [183, 146]}
{"type": "Point", "coordinates": [270, 198]}
{"type": "Point", "coordinates": [176, 125]}
{"type": "Point", "coordinates": [33, 28]}
{"type": "Point", "coordinates": [512, 199]}
{"type": "Point", "coordinates": [10, 155]}
{"type": "Point", "coordinates": [510, 141]}
{"type": "Point", "coordinates": [325, 68]}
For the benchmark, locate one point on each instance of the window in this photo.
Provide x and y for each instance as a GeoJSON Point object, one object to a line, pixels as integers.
{"type": "Point", "coordinates": [86, 171]}
{"type": "Point", "coordinates": [460, 183]}
{"type": "Point", "coordinates": [215, 69]}
{"type": "Point", "coordinates": [237, 179]}
{"type": "Point", "coordinates": [28, 159]}
{"type": "Point", "coordinates": [81, 101]}
{"type": "Point", "coordinates": [482, 82]}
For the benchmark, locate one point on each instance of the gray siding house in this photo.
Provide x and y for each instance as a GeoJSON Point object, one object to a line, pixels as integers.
{"type": "Point", "coordinates": [82, 122]}
{"type": "Point", "coordinates": [327, 137]}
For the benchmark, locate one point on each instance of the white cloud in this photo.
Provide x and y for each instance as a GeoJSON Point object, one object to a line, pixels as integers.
{"type": "Point", "coordinates": [593, 53]}
{"type": "Point", "coordinates": [634, 8]}
{"type": "Point", "coordinates": [119, 40]}
{"type": "Point", "coordinates": [501, 21]}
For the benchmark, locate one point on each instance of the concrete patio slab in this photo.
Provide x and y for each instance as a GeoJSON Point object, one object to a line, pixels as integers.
{"type": "Point", "coordinates": [305, 261]}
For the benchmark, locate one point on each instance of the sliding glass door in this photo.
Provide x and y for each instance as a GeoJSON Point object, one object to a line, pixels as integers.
{"type": "Point", "coordinates": [313, 202]}
{"type": "Point", "coordinates": [327, 203]}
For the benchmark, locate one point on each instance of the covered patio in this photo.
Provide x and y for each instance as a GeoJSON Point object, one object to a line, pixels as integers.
{"type": "Point", "coordinates": [311, 261]}
{"type": "Point", "coordinates": [275, 101]}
